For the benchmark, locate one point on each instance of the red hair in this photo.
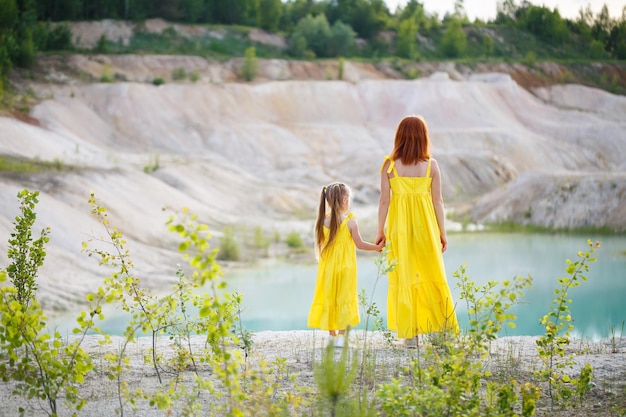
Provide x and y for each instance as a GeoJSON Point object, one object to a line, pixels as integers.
{"type": "Point", "coordinates": [412, 143]}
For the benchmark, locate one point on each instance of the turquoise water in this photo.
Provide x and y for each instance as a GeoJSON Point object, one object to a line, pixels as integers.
{"type": "Point", "coordinates": [277, 295]}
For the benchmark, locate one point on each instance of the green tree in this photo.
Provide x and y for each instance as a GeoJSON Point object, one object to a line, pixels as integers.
{"type": "Point", "coordinates": [406, 42]}
{"type": "Point", "coordinates": [366, 17]}
{"type": "Point", "coordinates": [8, 14]}
{"type": "Point", "coordinates": [341, 39]}
{"type": "Point", "coordinates": [296, 10]}
{"type": "Point", "coordinates": [269, 14]}
{"type": "Point", "coordinates": [316, 33]}
{"type": "Point", "coordinates": [596, 49]}
{"type": "Point", "coordinates": [415, 10]}
{"type": "Point", "coordinates": [242, 12]}
{"type": "Point", "coordinates": [602, 25]}
{"type": "Point", "coordinates": [616, 43]}
{"type": "Point", "coordinates": [488, 45]}
{"type": "Point", "coordinates": [193, 10]}
{"type": "Point", "coordinates": [454, 40]}
{"type": "Point", "coordinates": [547, 25]}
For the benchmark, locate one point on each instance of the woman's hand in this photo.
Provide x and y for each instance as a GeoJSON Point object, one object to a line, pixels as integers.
{"type": "Point", "coordinates": [444, 243]}
{"type": "Point", "coordinates": [380, 238]}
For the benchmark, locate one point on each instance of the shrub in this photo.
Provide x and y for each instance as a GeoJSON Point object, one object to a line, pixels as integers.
{"type": "Point", "coordinates": [250, 67]}
{"type": "Point", "coordinates": [179, 74]}
{"type": "Point", "coordinates": [229, 248]}
{"type": "Point", "coordinates": [294, 240]}
{"type": "Point", "coordinates": [44, 366]}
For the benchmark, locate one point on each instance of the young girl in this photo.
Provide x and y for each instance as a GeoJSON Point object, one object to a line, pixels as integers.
{"type": "Point", "coordinates": [335, 301]}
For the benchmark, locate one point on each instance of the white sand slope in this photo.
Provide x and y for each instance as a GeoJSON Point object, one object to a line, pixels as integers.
{"type": "Point", "coordinates": [258, 154]}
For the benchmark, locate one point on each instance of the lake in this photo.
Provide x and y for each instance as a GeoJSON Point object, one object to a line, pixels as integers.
{"type": "Point", "coordinates": [277, 294]}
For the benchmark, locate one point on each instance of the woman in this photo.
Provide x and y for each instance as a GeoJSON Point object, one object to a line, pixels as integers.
{"type": "Point", "coordinates": [419, 299]}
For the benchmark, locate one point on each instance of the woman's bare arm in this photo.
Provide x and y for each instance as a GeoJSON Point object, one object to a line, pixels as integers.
{"type": "Point", "coordinates": [383, 203]}
{"type": "Point", "coordinates": [438, 203]}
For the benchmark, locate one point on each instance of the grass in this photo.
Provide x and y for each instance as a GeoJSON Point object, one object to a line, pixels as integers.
{"type": "Point", "coordinates": [510, 227]}
{"type": "Point", "coordinates": [13, 164]}
{"type": "Point", "coordinates": [169, 42]}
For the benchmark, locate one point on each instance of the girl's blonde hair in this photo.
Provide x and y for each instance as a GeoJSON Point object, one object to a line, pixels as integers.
{"type": "Point", "coordinates": [332, 194]}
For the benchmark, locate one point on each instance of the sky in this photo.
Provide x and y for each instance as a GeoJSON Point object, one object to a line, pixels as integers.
{"type": "Point", "coordinates": [486, 9]}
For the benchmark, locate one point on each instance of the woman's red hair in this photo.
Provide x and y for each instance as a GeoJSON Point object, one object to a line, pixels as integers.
{"type": "Point", "coordinates": [412, 143]}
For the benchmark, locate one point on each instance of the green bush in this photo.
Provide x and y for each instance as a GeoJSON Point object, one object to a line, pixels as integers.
{"type": "Point", "coordinates": [179, 74]}
{"type": "Point", "coordinates": [250, 67]}
{"type": "Point", "coordinates": [294, 240]}
{"type": "Point", "coordinates": [229, 248]}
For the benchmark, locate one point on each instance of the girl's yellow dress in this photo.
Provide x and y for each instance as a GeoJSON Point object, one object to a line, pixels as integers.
{"type": "Point", "coordinates": [419, 299]}
{"type": "Point", "coordinates": [335, 301]}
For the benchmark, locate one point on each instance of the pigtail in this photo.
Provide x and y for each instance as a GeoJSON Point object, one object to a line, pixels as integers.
{"type": "Point", "coordinates": [319, 224]}
{"type": "Point", "coordinates": [332, 196]}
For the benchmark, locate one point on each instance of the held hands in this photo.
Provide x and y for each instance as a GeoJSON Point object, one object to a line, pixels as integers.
{"type": "Point", "coordinates": [380, 238]}
{"type": "Point", "coordinates": [444, 243]}
{"type": "Point", "coordinates": [381, 241]}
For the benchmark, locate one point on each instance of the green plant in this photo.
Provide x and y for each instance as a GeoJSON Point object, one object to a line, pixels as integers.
{"type": "Point", "coordinates": [194, 76]}
{"type": "Point", "coordinates": [384, 265]}
{"type": "Point", "coordinates": [530, 59]}
{"type": "Point", "coordinates": [158, 81]}
{"type": "Point", "coordinates": [43, 366]}
{"type": "Point", "coordinates": [153, 164]}
{"type": "Point", "coordinates": [102, 46]}
{"type": "Point", "coordinates": [558, 324]}
{"type": "Point", "coordinates": [333, 378]}
{"type": "Point", "coordinates": [218, 317]}
{"type": "Point", "coordinates": [341, 68]}
{"type": "Point", "coordinates": [26, 254]}
{"type": "Point", "coordinates": [179, 74]}
{"type": "Point", "coordinates": [229, 248]}
{"type": "Point", "coordinates": [250, 67]}
{"type": "Point", "coordinates": [106, 76]}
{"type": "Point", "coordinates": [488, 308]}
{"type": "Point", "coordinates": [294, 240]}
{"type": "Point", "coordinates": [261, 242]}
{"type": "Point", "coordinates": [613, 336]}
{"type": "Point", "coordinates": [449, 377]}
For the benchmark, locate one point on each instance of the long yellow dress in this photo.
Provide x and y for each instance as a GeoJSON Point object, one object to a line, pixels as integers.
{"type": "Point", "coordinates": [335, 300]}
{"type": "Point", "coordinates": [419, 299]}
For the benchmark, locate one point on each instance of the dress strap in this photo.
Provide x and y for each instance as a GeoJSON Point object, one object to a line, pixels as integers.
{"type": "Point", "coordinates": [392, 166]}
{"type": "Point", "coordinates": [428, 169]}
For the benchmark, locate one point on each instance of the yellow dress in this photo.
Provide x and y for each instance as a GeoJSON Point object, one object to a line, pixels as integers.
{"type": "Point", "coordinates": [419, 299]}
{"type": "Point", "coordinates": [335, 300]}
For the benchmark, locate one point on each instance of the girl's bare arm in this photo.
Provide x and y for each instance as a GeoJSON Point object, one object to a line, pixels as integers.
{"type": "Point", "coordinates": [358, 241]}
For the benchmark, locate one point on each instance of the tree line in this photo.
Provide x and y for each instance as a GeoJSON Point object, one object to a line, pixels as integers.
{"type": "Point", "coordinates": [315, 28]}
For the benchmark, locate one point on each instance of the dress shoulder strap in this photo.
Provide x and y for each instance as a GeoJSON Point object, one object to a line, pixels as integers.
{"type": "Point", "coordinates": [392, 166]}
{"type": "Point", "coordinates": [428, 169]}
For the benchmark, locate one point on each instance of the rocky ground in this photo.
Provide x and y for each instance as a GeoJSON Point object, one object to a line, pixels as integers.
{"type": "Point", "coordinates": [299, 350]}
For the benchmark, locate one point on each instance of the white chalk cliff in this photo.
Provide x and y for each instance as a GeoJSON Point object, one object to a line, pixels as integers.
{"type": "Point", "coordinates": [258, 154]}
